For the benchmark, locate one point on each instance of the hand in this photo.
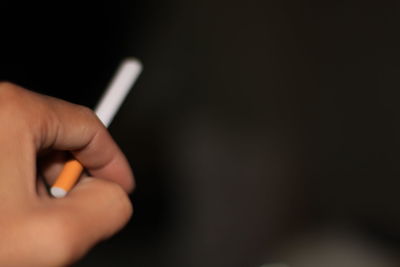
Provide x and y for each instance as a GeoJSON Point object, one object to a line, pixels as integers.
{"type": "Point", "coordinates": [36, 229]}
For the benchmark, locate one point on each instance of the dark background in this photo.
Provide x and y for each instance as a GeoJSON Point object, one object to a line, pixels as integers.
{"type": "Point", "coordinates": [253, 120]}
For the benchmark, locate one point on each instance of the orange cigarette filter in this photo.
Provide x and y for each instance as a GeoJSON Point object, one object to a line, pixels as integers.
{"type": "Point", "coordinates": [69, 176]}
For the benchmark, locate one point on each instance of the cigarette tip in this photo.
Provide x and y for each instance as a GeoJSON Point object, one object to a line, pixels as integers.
{"type": "Point", "coordinates": [58, 192]}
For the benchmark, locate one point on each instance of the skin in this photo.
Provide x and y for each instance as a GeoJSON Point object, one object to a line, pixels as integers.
{"type": "Point", "coordinates": [36, 229]}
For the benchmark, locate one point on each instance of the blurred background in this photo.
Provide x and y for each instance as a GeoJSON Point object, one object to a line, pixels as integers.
{"type": "Point", "coordinates": [260, 132]}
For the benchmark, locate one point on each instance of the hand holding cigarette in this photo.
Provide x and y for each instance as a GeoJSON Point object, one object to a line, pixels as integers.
{"type": "Point", "coordinates": [36, 229]}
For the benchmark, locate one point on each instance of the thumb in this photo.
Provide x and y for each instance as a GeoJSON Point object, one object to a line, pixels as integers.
{"type": "Point", "coordinates": [95, 210]}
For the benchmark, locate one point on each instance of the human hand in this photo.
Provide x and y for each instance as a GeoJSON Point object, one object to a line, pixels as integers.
{"type": "Point", "coordinates": [36, 229]}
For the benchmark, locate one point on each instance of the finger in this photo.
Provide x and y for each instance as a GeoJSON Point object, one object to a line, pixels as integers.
{"type": "Point", "coordinates": [93, 211]}
{"type": "Point", "coordinates": [79, 130]}
{"type": "Point", "coordinates": [59, 125]}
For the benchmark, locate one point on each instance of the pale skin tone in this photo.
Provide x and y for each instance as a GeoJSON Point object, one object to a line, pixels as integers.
{"type": "Point", "coordinates": [36, 229]}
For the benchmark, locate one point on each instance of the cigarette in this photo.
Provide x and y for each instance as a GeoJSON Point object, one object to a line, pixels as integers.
{"type": "Point", "coordinates": [108, 106]}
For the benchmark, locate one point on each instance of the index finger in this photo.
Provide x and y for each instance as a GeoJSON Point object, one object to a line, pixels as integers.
{"type": "Point", "coordinates": [77, 129]}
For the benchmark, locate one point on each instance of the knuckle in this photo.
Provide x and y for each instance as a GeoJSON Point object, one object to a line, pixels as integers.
{"type": "Point", "coordinates": [5, 84]}
{"type": "Point", "coordinates": [9, 92]}
{"type": "Point", "coordinates": [20, 109]}
{"type": "Point", "coordinates": [12, 103]}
